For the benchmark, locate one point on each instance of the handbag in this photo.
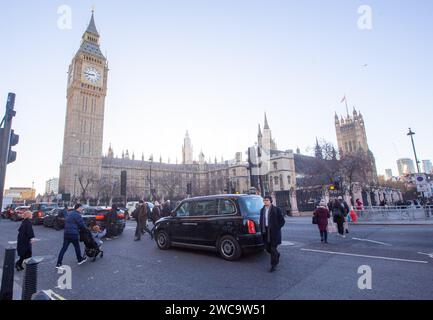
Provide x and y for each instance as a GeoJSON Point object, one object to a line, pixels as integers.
{"type": "Point", "coordinates": [314, 220]}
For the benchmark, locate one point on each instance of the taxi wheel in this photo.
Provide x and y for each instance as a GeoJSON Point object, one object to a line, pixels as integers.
{"type": "Point", "coordinates": [163, 240]}
{"type": "Point", "coordinates": [229, 248]}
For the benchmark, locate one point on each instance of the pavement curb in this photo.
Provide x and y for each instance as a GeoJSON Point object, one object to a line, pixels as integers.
{"type": "Point", "coordinates": [389, 224]}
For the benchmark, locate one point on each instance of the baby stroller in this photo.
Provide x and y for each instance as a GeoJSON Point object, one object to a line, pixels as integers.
{"type": "Point", "coordinates": [92, 250]}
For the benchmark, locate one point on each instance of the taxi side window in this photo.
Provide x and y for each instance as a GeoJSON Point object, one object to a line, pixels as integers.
{"type": "Point", "coordinates": [226, 206]}
{"type": "Point", "coordinates": [184, 210]}
{"type": "Point", "coordinates": [205, 208]}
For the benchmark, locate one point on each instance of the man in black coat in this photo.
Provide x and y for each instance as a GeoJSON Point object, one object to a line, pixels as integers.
{"type": "Point", "coordinates": [271, 222]}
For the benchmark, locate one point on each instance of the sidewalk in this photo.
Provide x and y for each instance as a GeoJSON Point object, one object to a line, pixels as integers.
{"type": "Point", "coordinates": [396, 222]}
{"type": "Point", "coordinates": [307, 220]}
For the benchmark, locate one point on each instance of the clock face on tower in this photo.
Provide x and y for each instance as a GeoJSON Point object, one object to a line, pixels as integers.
{"type": "Point", "coordinates": [92, 75]}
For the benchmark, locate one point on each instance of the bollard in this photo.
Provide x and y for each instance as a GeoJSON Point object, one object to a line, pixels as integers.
{"type": "Point", "coordinates": [7, 288]}
{"type": "Point", "coordinates": [30, 278]}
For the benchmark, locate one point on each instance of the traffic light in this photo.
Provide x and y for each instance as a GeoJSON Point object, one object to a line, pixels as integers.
{"type": "Point", "coordinates": [335, 184]}
{"type": "Point", "coordinates": [13, 141]}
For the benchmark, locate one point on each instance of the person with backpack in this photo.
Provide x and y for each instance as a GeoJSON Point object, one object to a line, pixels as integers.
{"type": "Point", "coordinates": [338, 214]}
{"type": "Point", "coordinates": [346, 214]}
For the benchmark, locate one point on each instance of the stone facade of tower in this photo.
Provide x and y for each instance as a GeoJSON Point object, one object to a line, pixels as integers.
{"type": "Point", "coordinates": [351, 134]}
{"type": "Point", "coordinates": [352, 139]}
{"type": "Point", "coordinates": [84, 125]}
{"type": "Point", "coordinates": [187, 152]}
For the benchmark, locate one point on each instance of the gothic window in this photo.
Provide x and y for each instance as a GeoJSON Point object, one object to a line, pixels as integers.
{"type": "Point", "coordinates": [347, 148]}
{"type": "Point", "coordinates": [281, 182]}
{"type": "Point", "coordinates": [234, 172]}
{"type": "Point", "coordinates": [354, 146]}
{"type": "Point", "coordinates": [275, 165]}
{"type": "Point", "coordinates": [276, 181]}
{"type": "Point", "coordinates": [350, 146]}
{"type": "Point", "coordinates": [289, 180]}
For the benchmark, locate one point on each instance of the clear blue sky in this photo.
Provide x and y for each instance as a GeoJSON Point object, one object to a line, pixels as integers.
{"type": "Point", "coordinates": [214, 67]}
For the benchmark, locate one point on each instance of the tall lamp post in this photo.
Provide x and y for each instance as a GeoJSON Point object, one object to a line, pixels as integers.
{"type": "Point", "coordinates": [75, 182]}
{"type": "Point", "coordinates": [411, 134]}
{"type": "Point", "coordinates": [151, 161]}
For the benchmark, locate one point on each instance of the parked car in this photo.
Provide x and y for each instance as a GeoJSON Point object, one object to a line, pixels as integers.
{"type": "Point", "coordinates": [55, 218]}
{"type": "Point", "coordinates": [39, 211]}
{"type": "Point", "coordinates": [8, 212]}
{"type": "Point", "coordinates": [17, 214]}
{"type": "Point", "coordinates": [99, 215]}
{"type": "Point", "coordinates": [228, 224]}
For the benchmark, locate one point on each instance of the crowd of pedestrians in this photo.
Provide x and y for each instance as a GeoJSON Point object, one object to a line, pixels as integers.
{"type": "Point", "coordinates": [337, 213]}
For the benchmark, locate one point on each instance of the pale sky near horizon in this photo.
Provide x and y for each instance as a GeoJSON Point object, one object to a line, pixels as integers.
{"type": "Point", "coordinates": [213, 68]}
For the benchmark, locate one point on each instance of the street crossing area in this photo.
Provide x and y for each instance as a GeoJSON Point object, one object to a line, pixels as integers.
{"type": "Point", "coordinates": [399, 260]}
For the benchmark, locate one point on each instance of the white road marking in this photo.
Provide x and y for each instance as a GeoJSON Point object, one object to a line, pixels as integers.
{"type": "Point", "coordinates": [427, 254]}
{"type": "Point", "coordinates": [287, 243]}
{"type": "Point", "coordinates": [364, 256]}
{"type": "Point", "coordinates": [373, 241]}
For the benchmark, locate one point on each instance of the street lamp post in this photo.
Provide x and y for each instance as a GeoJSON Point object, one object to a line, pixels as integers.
{"type": "Point", "coordinates": [150, 178]}
{"type": "Point", "coordinates": [411, 134]}
{"type": "Point", "coordinates": [75, 182]}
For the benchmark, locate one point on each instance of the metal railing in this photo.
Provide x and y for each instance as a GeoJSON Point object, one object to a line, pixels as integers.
{"type": "Point", "coordinates": [395, 213]}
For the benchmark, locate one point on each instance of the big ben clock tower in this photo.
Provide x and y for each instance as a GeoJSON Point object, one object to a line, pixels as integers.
{"type": "Point", "coordinates": [84, 125]}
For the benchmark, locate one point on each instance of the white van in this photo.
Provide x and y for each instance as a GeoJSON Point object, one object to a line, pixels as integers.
{"type": "Point", "coordinates": [130, 206]}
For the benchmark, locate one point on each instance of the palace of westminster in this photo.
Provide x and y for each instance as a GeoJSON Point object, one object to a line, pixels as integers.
{"type": "Point", "coordinates": [279, 171]}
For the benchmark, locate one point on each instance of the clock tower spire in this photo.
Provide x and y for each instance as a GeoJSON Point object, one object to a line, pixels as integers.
{"type": "Point", "coordinates": [84, 125]}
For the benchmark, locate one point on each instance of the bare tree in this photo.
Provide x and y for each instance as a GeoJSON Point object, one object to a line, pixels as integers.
{"type": "Point", "coordinates": [107, 189]}
{"type": "Point", "coordinates": [170, 183]}
{"type": "Point", "coordinates": [86, 179]}
{"type": "Point", "coordinates": [355, 168]}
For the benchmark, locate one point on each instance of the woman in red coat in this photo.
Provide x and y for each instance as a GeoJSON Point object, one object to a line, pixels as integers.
{"type": "Point", "coordinates": [322, 215]}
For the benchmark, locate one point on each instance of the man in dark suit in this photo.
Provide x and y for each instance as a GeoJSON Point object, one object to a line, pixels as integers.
{"type": "Point", "coordinates": [271, 222]}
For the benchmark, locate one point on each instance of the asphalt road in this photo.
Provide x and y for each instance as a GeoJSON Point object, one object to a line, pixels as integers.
{"type": "Point", "coordinates": [308, 269]}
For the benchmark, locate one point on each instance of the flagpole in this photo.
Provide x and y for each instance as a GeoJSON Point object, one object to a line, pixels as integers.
{"type": "Point", "coordinates": [347, 108]}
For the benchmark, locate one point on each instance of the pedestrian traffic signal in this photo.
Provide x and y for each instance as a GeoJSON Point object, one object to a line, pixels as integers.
{"type": "Point", "coordinates": [13, 141]}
